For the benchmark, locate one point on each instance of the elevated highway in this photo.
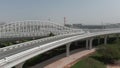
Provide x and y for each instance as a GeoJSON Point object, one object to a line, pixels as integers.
{"type": "Point", "coordinates": [16, 55]}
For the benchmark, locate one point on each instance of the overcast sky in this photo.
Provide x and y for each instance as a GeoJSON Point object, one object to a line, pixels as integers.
{"type": "Point", "coordinates": [75, 11]}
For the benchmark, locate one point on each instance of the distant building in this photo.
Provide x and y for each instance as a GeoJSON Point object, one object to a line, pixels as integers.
{"type": "Point", "coordinates": [76, 25]}
{"type": "Point", "coordinates": [2, 23]}
{"type": "Point", "coordinates": [113, 25]}
{"type": "Point", "coordinates": [68, 25]}
{"type": "Point", "coordinates": [92, 27]}
{"type": "Point", "coordinates": [85, 26]}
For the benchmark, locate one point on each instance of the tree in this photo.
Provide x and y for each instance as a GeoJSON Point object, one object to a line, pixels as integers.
{"type": "Point", "coordinates": [111, 53]}
{"type": "Point", "coordinates": [51, 34]}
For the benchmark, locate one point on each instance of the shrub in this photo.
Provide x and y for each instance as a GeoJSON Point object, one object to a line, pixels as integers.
{"type": "Point", "coordinates": [110, 53]}
{"type": "Point", "coordinates": [51, 34]}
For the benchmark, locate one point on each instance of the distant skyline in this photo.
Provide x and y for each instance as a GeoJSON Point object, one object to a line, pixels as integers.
{"type": "Point", "coordinates": [75, 11]}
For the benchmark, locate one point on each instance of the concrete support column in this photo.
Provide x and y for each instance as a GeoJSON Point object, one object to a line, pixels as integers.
{"type": "Point", "coordinates": [98, 40]}
{"type": "Point", "coordinates": [117, 37]}
{"type": "Point", "coordinates": [68, 49]}
{"type": "Point", "coordinates": [20, 65]}
{"type": "Point", "coordinates": [105, 40]}
{"type": "Point", "coordinates": [87, 44]}
{"type": "Point", "coordinates": [90, 43]}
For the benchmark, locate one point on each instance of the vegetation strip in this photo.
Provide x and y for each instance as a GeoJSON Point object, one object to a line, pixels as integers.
{"type": "Point", "coordinates": [105, 55]}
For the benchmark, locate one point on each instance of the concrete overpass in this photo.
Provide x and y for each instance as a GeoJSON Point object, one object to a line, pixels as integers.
{"type": "Point", "coordinates": [16, 55]}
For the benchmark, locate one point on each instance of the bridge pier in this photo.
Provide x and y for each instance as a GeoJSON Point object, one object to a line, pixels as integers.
{"type": "Point", "coordinates": [89, 43]}
{"type": "Point", "coordinates": [20, 65]}
{"type": "Point", "coordinates": [117, 37]}
{"type": "Point", "coordinates": [105, 40]}
{"type": "Point", "coordinates": [67, 49]}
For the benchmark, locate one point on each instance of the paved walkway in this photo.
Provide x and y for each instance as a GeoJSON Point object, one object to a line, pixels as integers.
{"type": "Point", "coordinates": [67, 60]}
{"type": "Point", "coordinates": [61, 61]}
{"type": "Point", "coordinates": [47, 62]}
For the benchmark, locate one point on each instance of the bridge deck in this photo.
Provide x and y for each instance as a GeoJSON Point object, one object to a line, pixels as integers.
{"type": "Point", "coordinates": [20, 49]}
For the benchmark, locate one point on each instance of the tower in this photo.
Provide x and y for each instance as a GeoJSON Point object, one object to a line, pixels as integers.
{"type": "Point", "coordinates": [64, 21]}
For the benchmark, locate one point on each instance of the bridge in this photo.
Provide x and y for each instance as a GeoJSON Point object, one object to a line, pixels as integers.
{"type": "Point", "coordinates": [16, 55]}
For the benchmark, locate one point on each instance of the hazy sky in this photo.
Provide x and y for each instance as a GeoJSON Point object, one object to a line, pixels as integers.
{"type": "Point", "coordinates": [75, 11]}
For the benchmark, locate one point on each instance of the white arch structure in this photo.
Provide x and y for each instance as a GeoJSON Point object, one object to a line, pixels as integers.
{"type": "Point", "coordinates": [16, 55]}
{"type": "Point", "coordinates": [33, 28]}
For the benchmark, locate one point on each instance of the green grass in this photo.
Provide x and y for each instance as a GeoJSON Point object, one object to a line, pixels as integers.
{"type": "Point", "coordinates": [89, 62]}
